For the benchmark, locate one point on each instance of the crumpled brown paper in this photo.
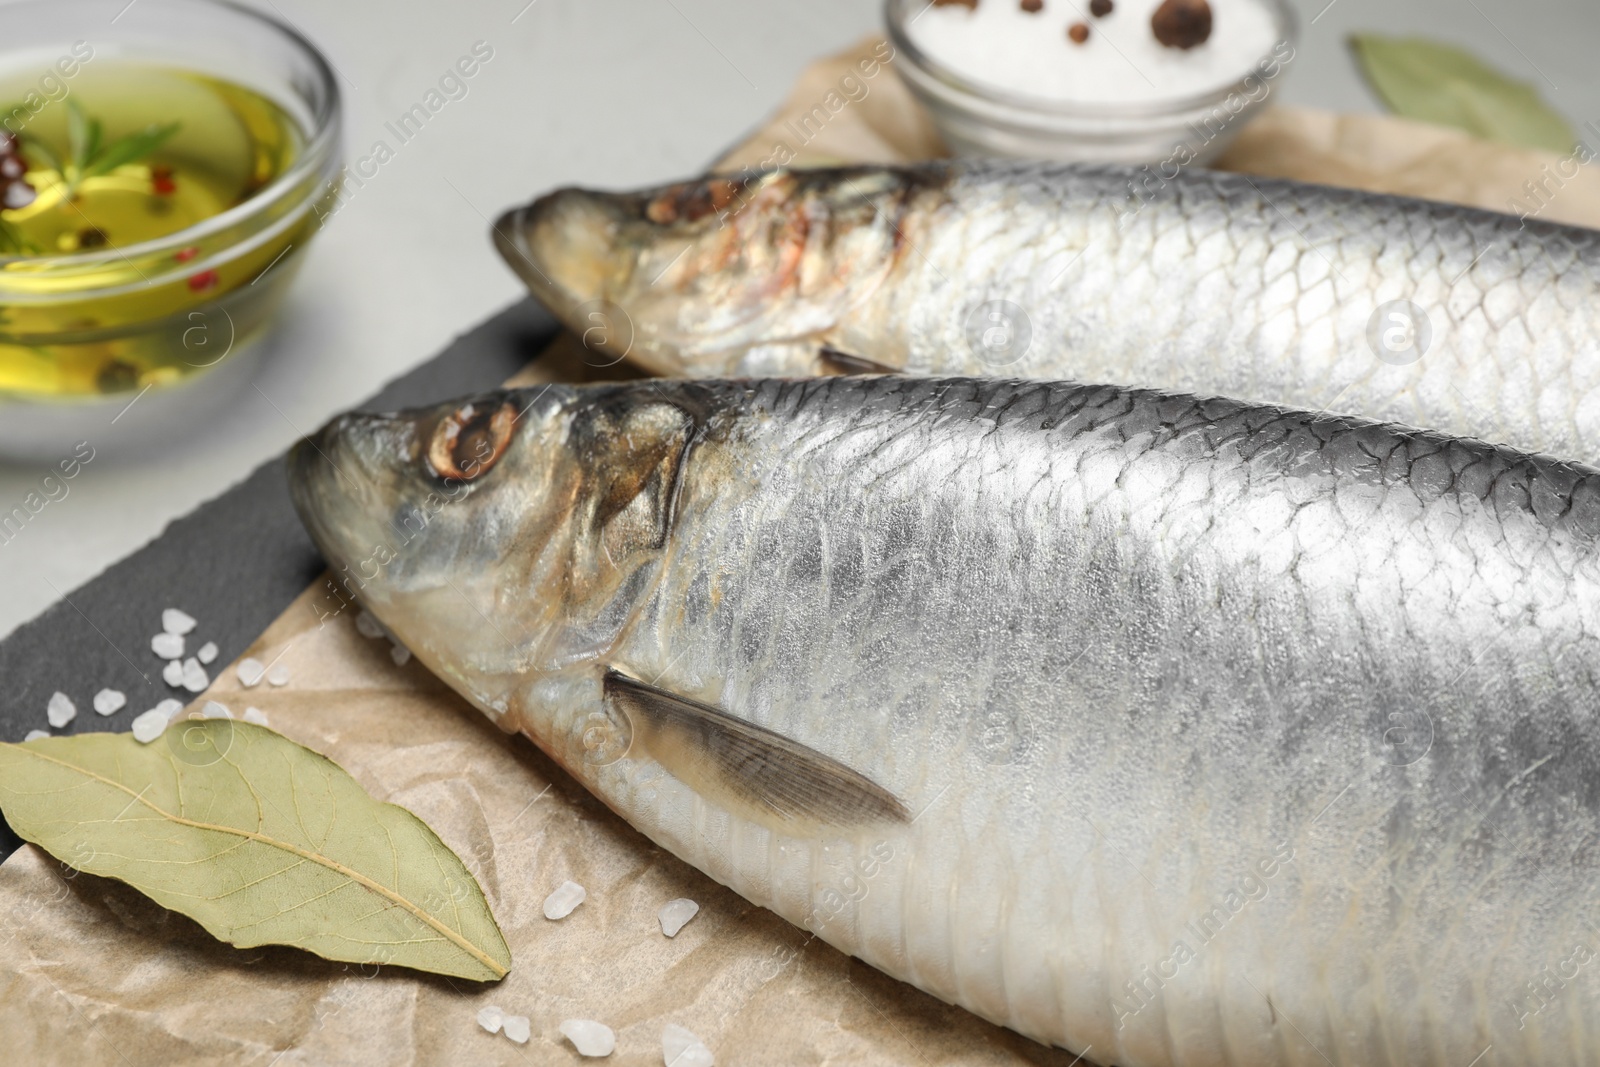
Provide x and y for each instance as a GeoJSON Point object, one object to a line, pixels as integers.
{"type": "Point", "coordinates": [91, 972]}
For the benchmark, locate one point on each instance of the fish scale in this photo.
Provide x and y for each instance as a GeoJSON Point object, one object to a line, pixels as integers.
{"type": "Point", "coordinates": [1182, 730]}
{"type": "Point", "coordinates": [1213, 283]}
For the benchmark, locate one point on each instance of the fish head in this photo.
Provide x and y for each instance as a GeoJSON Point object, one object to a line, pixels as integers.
{"type": "Point", "coordinates": [687, 278]}
{"type": "Point", "coordinates": [496, 537]}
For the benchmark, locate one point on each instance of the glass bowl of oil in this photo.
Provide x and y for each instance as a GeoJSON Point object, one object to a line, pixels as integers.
{"type": "Point", "coordinates": [163, 166]}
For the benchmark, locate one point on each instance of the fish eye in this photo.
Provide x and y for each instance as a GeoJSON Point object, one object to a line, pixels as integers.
{"type": "Point", "coordinates": [693, 201]}
{"type": "Point", "coordinates": [468, 441]}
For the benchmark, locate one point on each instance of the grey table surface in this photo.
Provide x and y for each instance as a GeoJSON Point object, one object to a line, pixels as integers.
{"type": "Point", "coordinates": [608, 92]}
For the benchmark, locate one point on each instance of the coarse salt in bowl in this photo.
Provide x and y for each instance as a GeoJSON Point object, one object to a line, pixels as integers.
{"type": "Point", "coordinates": [1054, 80]}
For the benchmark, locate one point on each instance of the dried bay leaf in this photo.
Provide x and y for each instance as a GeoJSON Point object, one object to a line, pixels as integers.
{"type": "Point", "coordinates": [1422, 79]}
{"type": "Point", "coordinates": [259, 840]}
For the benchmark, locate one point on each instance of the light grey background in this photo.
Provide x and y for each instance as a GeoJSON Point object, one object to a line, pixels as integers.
{"type": "Point", "coordinates": [607, 92]}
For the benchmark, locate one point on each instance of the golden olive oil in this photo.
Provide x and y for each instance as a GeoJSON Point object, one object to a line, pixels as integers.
{"type": "Point", "coordinates": [119, 316]}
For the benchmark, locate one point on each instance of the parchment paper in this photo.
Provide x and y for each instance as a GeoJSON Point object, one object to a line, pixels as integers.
{"type": "Point", "coordinates": [91, 972]}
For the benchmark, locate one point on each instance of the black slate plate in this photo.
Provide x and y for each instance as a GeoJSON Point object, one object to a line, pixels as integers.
{"type": "Point", "coordinates": [234, 563]}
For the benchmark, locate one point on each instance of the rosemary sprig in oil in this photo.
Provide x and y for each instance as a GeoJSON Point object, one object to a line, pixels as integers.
{"type": "Point", "coordinates": [87, 156]}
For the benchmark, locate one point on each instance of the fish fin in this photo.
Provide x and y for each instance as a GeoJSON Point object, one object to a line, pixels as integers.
{"type": "Point", "coordinates": [843, 363]}
{"type": "Point", "coordinates": [749, 769]}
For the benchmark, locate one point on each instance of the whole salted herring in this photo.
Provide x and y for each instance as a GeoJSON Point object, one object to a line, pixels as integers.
{"type": "Point", "coordinates": [1168, 730]}
{"type": "Point", "coordinates": [1402, 310]}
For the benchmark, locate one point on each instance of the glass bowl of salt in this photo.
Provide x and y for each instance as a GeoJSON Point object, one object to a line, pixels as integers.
{"type": "Point", "coordinates": [1161, 82]}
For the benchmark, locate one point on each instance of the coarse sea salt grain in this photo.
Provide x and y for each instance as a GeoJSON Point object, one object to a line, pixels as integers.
{"type": "Point", "coordinates": [215, 709]}
{"type": "Point", "coordinates": [589, 1037]}
{"type": "Point", "coordinates": [149, 725]}
{"type": "Point", "coordinates": [565, 897]}
{"type": "Point", "coordinates": [169, 707]}
{"type": "Point", "coordinates": [34, 735]}
{"type": "Point", "coordinates": [250, 672]}
{"type": "Point", "coordinates": [518, 1028]}
{"type": "Point", "coordinates": [255, 715]}
{"type": "Point", "coordinates": [110, 701]}
{"type": "Point", "coordinates": [167, 646]}
{"type": "Point", "coordinates": [675, 913]}
{"type": "Point", "coordinates": [174, 621]}
{"type": "Point", "coordinates": [172, 673]}
{"type": "Point", "coordinates": [195, 678]}
{"type": "Point", "coordinates": [680, 1048]}
{"type": "Point", "coordinates": [279, 675]}
{"type": "Point", "coordinates": [60, 710]}
{"type": "Point", "coordinates": [490, 1018]}
{"type": "Point", "coordinates": [367, 624]}
{"type": "Point", "coordinates": [1000, 45]}
{"type": "Point", "coordinates": [207, 653]}
{"type": "Point", "coordinates": [400, 654]}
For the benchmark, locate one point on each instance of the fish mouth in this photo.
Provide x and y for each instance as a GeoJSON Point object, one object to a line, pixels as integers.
{"type": "Point", "coordinates": [312, 474]}
{"type": "Point", "coordinates": [339, 477]}
{"type": "Point", "coordinates": [563, 245]}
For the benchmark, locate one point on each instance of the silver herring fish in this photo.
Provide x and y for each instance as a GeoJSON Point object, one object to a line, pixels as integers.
{"type": "Point", "coordinates": [1182, 731]}
{"type": "Point", "coordinates": [1220, 284]}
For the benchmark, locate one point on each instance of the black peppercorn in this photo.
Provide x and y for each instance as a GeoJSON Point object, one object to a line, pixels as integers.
{"type": "Point", "coordinates": [1182, 23]}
